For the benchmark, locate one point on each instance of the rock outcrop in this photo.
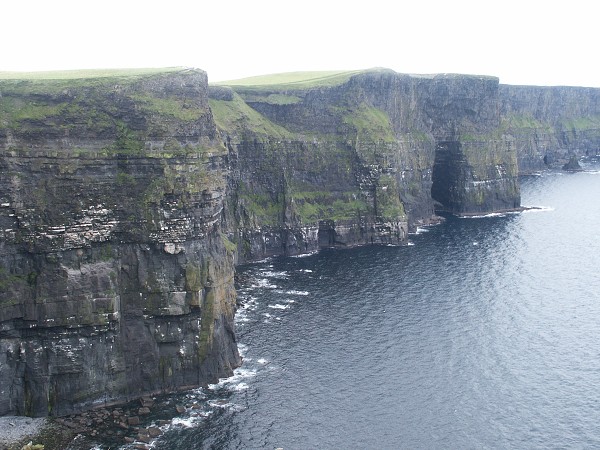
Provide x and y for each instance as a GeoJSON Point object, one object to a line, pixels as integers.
{"type": "Point", "coordinates": [126, 200]}
{"type": "Point", "coordinates": [549, 125]}
{"type": "Point", "coordinates": [115, 276]}
{"type": "Point", "coordinates": [361, 157]}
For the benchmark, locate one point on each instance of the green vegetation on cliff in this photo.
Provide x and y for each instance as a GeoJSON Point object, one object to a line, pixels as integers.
{"type": "Point", "coordinates": [586, 123]}
{"type": "Point", "coordinates": [235, 116]}
{"type": "Point", "coordinates": [312, 206]}
{"type": "Point", "coordinates": [128, 107]}
{"type": "Point", "coordinates": [370, 123]}
{"type": "Point", "coordinates": [293, 80]}
{"type": "Point", "coordinates": [87, 74]}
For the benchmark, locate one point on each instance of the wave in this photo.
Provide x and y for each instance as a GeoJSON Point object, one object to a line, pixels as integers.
{"type": "Point", "coordinates": [240, 374]}
{"type": "Point", "coordinates": [242, 349]}
{"type": "Point", "coordinates": [271, 274]}
{"type": "Point", "coordinates": [187, 422]}
{"type": "Point", "coordinates": [485, 216]}
{"type": "Point", "coordinates": [294, 292]}
{"type": "Point", "coordinates": [263, 283]}
{"type": "Point", "coordinates": [536, 209]}
{"type": "Point", "coordinates": [304, 255]}
{"type": "Point", "coordinates": [279, 306]}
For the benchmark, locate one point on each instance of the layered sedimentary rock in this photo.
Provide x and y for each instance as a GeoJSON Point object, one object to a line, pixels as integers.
{"type": "Point", "coordinates": [549, 125]}
{"type": "Point", "coordinates": [127, 199]}
{"type": "Point", "coordinates": [363, 157]}
{"type": "Point", "coordinates": [115, 276]}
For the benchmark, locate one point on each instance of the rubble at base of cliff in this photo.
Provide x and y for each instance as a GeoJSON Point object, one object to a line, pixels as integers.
{"type": "Point", "coordinates": [125, 424]}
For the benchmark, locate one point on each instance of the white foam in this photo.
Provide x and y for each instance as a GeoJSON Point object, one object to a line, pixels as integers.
{"type": "Point", "coordinates": [484, 216]}
{"type": "Point", "coordinates": [293, 292]}
{"type": "Point", "coordinates": [242, 349]}
{"type": "Point", "coordinates": [250, 306]}
{"type": "Point", "coordinates": [262, 261]}
{"type": "Point", "coordinates": [306, 271]}
{"type": "Point", "coordinates": [220, 404]}
{"type": "Point", "coordinates": [238, 376]}
{"type": "Point", "coordinates": [304, 255]}
{"type": "Point", "coordinates": [188, 422]}
{"type": "Point", "coordinates": [264, 283]}
{"type": "Point", "coordinates": [279, 306]}
{"type": "Point", "coordinates": [289, 300]}
{"type": "Point", "coordinates": [271, 274]}
{"type": "Point", "coordinates": [241, 319]}
{"type": "Point", "coordinates": [537, 209]}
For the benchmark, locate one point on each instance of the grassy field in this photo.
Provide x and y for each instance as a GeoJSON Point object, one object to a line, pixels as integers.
{"type": "Point", "coordinates": [293, 80]}
{"type": "Point", "coordinates": [88, 73]}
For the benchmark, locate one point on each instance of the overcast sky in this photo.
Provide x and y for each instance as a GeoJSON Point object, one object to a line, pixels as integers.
{"type": "Point", "coordinates": [519, 41]}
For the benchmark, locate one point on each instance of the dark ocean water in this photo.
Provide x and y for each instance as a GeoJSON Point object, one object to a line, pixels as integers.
{"type": "Point", "coordinates": [483, 333]}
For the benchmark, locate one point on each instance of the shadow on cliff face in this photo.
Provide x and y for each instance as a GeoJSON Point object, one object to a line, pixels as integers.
{"type": "Point", "coordinates": [448, 168]}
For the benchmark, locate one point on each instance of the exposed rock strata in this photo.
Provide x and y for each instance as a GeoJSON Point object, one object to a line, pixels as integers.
{"type": "Point", "coordinates": [549, 125]}
{"type": "Point", "coordinates": [115, 279]}
{"type": "Point", "coordinates": [126, 201]}
{"type": "Point", "coordinates": [362, 160]}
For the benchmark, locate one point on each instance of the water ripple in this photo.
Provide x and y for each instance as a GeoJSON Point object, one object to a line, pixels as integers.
{"type": "Point", "coordinates": [481, 335]}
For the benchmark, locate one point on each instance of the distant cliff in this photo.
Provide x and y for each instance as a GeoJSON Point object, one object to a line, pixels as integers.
{"type": "Point", "coordinates": [127, 198]}
{"type": "Point", "coordinates": [360, 157]}
{"type": "Point", "coordinates": [548, 125]}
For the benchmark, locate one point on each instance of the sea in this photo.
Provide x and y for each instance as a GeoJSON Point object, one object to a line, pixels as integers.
{"type": "Point", "coordinates": [482, 333]}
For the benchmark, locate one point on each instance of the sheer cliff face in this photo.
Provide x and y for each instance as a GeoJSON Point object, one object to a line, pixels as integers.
{"type": "Point", "coordinates": [126, 200]}
{"type": "Point", "coordinates": [363, 158]}
{"type": "Point", "coordinates": [115, 277]}
{"type": "Point", "coordinates": [551, 124]}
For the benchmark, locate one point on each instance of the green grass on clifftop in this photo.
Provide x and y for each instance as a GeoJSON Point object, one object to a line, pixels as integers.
{"type": "Point", "coordinates": [293, 80]}
{"type": "Point", "coordinates": [87, 73]}
{"type": "Point", "coordinates": [236, 116]}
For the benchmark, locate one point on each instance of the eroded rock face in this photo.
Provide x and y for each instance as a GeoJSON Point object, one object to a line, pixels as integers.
{"type": "Point", "coordinates": [125, 202]}
{"type": "Point", "coordinates": [549, 125]}
{"type": "Point", "coordinates": [364, 160]}
{"type": "Point", "coordinates": [115, 280]}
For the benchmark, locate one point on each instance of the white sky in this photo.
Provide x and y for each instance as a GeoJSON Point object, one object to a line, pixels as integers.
{"type": "Point", "coordinates": [521, 41]}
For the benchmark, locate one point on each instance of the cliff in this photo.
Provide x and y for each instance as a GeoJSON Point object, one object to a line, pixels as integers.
{"type": "Point", "coordinates": [549, 125]}
{"type": "Point", "coordinates": [115, 277]}
{"type": "Point", "coordinates": [348, 158]}
{"type": "Point", "coordinates": [126, 199]}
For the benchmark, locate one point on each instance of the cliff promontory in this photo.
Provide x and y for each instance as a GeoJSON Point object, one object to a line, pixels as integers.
{"type": "Point", "coordinates": [360, 157]}
{"type": "Point", "coordinates": [127, 198]}
{"type": "Point", "coordinates": [115, 277]}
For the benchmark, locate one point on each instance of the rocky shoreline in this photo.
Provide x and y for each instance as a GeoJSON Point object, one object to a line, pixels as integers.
{"type": "Point", "coordinates": [501, 211]}
{"type": "Point", "coordinates": [16, 429]}
{"type": "Point", "coordinates": [123, 424]}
